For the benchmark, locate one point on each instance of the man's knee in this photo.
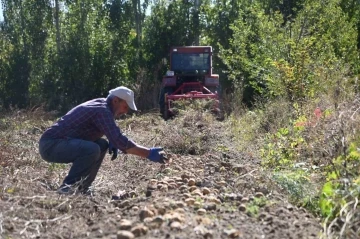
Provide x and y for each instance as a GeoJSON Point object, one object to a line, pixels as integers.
{"type": "Point", "coordinates": [103, 144]}
{"type": "Point", "coordinates": [96, 152]}
{"type": "Point", "coordinates": [91, 151]}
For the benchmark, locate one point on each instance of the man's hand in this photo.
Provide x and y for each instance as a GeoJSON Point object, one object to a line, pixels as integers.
{"type": "Point", "coordinates": [155, 155]}
{"type": "Point", "coordinates": [113, 151]}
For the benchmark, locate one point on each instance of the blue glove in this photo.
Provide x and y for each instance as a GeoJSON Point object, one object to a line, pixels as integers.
{"type": "Point", "coordinates": [156, 156]}
{"type": "Point", "coordinates": [113, 151]}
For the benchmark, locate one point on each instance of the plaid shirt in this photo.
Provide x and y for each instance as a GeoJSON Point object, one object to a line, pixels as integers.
{"type": "Point", "coordinates": [90, 121]}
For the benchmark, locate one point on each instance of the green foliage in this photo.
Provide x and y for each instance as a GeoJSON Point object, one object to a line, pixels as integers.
{"type": "Point", "coordinates": [218, 33]}
{"type": "Point", "coordinates": [300, 188]}
{"type": "Point", "coordinates": [63, 64]}
{"type": "Point", "coordinates": [252, 209]}
{"type": "Point", "coordinates": [295, 58]}
{"type": "Point", "coordinates": [282, 148]}
{"type": "Point", "coordinates": [343, 182]}
{"type": "Point", "coordinates": [65, 56]}
{"type": "Point", "coordinates": [246, 127]}
{"type": "Point", "coordinates": [294, 182]}
{"type": "Point", "coordinates": [5, 67]}
{"type": "Point", "coordinates": [288, 8]}
{"type": "Point", "coordinates": [93, 55]}
{"type": "Point", "coordinates": [172, 23]}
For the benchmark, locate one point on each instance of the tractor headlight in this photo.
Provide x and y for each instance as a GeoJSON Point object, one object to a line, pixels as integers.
{"type": "Point", "coordinates": [169, 81]}
{"type": "Point", "coordinates": [211, 81]}
{"type": "Point", "coordinates": [170, 73]}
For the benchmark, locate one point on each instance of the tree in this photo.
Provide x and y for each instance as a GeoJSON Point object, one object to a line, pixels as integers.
{"type": "Point", "coordinates": [219, 15]}
{"type": "Point", "coordinates": [295, 59]}
{"type": "Point", "coordinates": [25, 24]}
{"type": "Point", "coordinates": [352, 9]}
{"type": "Point", "coordinates": [172, 23]}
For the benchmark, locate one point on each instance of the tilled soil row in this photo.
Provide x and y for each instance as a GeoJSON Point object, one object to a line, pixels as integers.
{"type": "Point", "coordinates": [214, 195]}
{"type": "Point", "coordinates": [212, 199]}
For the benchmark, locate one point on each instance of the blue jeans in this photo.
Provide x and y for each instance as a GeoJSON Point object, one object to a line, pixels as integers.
{"type": "Point", "coordinates": [86, 158]}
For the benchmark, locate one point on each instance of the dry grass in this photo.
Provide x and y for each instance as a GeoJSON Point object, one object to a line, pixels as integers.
{"type": "Point", "coordinates": [321, 142]}
{"type": "Point", "coordinates": [27, 183]}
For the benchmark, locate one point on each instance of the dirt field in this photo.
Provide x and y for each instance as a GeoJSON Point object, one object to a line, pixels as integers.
{"type": "Point", "coordinates": [211, 190]}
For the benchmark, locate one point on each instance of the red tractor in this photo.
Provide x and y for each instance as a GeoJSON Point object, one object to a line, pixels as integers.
{"type": "Point", "coordinates": [190, 77]}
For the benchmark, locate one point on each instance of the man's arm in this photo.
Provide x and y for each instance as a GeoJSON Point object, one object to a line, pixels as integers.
{"type": "Point", "coordinates": [106, 124]}
{"type": "Point", "coordinates": [153, 154]}
{"type": "Point", "coordinates": [139, 151]}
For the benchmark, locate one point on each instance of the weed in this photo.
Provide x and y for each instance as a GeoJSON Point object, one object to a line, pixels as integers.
{"type": "Point", "coordinates": [281, 149]}
{"type": "Point", "coordinates": [301, 190]}
{"type": "Point", "coordinates": [252, 209]}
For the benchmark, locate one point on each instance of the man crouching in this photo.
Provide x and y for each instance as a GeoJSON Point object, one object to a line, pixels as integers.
{"type": "Point", "coordinates": [77, 138]}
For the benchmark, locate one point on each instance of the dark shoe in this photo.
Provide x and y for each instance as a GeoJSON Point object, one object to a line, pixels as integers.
{"type": "Point", "coordinates": [66, 190]}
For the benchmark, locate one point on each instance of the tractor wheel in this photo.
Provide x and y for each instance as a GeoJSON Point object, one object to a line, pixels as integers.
{"type": "Point", "coordinates": [162, 101]}
{"type": "Point", "coordinates": [166, 112]}
{"type": "Point", "coordinates": [220, 111]}
{"type": "Point", "coordinates": [220, 115]}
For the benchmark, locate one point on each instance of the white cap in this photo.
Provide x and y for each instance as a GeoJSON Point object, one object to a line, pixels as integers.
{"type": "Point", "coordinates": [126, 94]}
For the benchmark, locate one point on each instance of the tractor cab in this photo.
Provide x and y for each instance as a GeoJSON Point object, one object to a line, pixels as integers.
{"type": "Point", "coordinates": [189, 77]}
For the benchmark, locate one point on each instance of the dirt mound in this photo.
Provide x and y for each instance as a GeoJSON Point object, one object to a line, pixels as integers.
{"type": "Point", "coordinates": [209, 191]}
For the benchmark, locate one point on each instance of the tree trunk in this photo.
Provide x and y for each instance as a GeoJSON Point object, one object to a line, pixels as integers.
{"type": "Point", "coordinates": [139, 21]}
{"type": "Point", "coordinates": [57, 25]}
